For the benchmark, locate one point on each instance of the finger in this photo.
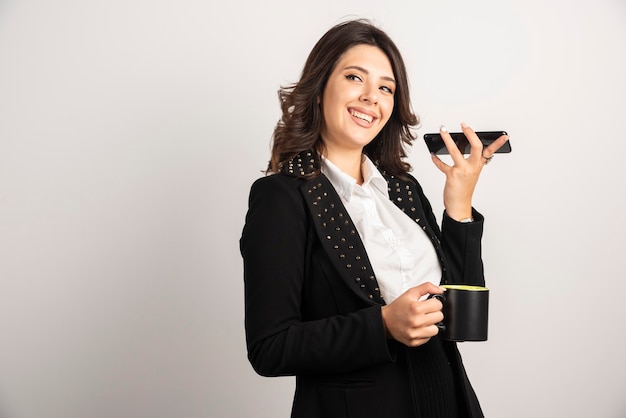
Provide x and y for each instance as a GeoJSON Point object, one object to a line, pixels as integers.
{"type": "Point", "coordinates": [435, 316]}
{"type": "Point", "coordinates": [424, 334]}
{"type": "Point", "coordinates": [426, 288]}
{"type": "Point", "coordinates": [476, 145]}
{"type": "Point", "coordinates": [443, 167]}
{"type": "Point", "coordinates": [432, 307]}
{"type": "Point", "coordinates": [495, 146]}
{"type": "Point", "coordinates": [453, 150]}
{"type": "Point", "coordinates": [416, 342]}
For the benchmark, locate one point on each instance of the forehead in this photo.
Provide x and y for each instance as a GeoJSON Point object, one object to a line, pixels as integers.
{"type": "Point", "coordinates": [367, 56]}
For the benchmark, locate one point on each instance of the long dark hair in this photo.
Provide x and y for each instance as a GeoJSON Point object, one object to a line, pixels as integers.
{"type": "Point", "coordinates": [300, 126]}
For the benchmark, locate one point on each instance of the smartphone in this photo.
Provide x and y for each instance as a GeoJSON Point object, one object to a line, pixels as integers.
{"type": "Point", "coordinates": [436, 145]}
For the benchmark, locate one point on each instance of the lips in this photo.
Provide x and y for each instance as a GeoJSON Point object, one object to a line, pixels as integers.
{"type": "Point", "coordinates": [362, 115]}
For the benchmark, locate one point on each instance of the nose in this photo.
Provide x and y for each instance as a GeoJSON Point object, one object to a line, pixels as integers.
{"type": "Point", "coordinates": [369, 95]}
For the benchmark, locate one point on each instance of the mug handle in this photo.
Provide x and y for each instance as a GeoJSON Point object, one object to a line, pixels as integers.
{"type": "Point", "coordinates": [442, 299]}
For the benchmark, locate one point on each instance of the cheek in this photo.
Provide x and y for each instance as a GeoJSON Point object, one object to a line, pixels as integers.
{"type": "Point", "coordinates": [389, 110]}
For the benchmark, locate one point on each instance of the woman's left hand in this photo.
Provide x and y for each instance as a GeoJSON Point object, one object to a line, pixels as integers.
{"type": "Point", "coordinates": [462, 175]}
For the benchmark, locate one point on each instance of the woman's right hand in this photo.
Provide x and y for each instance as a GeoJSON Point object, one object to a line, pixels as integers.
{"type": "Point", "coordinates": [413, 321]}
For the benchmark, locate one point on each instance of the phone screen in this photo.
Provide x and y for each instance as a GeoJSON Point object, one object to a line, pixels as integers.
{"type": "Point", "coordinates": [436, 145]}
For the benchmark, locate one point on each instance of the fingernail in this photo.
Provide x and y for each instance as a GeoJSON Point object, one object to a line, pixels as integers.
{"type": "Point", "coordinates": [443, 128]}
{"type": "Point", "coordinates": [463, 125]}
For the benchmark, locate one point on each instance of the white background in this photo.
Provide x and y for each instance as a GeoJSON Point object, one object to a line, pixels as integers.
{"type": "Point", "coordinates": [131, 130]}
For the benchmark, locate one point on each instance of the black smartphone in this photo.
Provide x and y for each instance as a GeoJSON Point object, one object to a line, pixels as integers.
{"type": "Point", "coordinates": [436, 145]}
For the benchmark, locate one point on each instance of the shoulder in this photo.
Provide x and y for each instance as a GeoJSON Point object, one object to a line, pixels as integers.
{"type": "Point", "coordinates": [277, 183]}
{"type": "Point", "coordinates": [278, 192]}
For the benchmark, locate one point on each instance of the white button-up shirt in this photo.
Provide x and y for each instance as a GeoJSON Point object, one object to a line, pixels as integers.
{"type": "Point", "coordinates": [400, 252]}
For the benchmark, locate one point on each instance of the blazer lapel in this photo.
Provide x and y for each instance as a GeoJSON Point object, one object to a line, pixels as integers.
{"type": "Point", "coordinates": [340, 238]}
{"type": "Point", "coordinates": [404, 195]}
{"type": "Point", "coordinates": [336, 231]}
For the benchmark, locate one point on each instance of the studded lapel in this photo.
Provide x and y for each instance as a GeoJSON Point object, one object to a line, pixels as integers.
{"type": "Point", "coordinates": [404, 195]}
{"type": "Point", "coordinates": [337, 232]}
{"type": "Point", "coordinates": [340, 238]}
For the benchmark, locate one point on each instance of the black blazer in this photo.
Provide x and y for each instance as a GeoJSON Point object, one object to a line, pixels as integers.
{"type": "Point", "coordinates": [313, 306]}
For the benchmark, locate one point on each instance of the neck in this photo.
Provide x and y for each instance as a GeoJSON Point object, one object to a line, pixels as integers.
{"type": "Point", "coordinates": [349, 163]}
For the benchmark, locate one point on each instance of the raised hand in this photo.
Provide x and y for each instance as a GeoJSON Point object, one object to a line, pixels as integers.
{"type": "Point", "coordinates": [462, 175]}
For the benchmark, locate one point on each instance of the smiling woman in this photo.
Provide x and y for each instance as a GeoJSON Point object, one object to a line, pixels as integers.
{"type": "Point", "coordinates": [302, 122]}
{"type": "Point", "coordinates": [336, 274]}
{"type": "Point", "coordinates": [356, 104]}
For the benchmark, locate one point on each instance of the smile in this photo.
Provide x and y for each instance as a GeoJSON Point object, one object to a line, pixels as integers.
{"type": "Point", "coordinates": [362, 116]}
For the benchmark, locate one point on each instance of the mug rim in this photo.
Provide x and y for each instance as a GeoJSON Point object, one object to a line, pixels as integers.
{"type": "Point", "coordinates": [465, 287]}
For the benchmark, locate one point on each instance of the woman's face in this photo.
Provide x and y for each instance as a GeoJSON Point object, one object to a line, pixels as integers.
{"type": "Point", "coordinates": [358, 99]}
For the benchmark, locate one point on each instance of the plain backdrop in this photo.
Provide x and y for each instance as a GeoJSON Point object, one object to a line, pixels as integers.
{"type": "Point", "coordinates": [131, 131]}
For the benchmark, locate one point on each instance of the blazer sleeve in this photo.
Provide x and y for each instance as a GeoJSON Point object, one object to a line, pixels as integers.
{"type": "Point", "coordinates": [461, 244]}
{"type": "Point", "coordinates": [274, 250]}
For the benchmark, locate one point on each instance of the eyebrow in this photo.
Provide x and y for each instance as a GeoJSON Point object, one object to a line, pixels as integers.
{"type": "Point", "coordinates": [356, 67]}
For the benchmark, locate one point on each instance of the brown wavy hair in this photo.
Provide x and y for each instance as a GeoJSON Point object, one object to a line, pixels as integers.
{"type": "Point", "coordinates": [300, 126]}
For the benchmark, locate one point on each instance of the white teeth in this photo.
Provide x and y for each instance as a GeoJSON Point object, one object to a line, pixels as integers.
{"type": "Point", "coordinates": [360, 115]}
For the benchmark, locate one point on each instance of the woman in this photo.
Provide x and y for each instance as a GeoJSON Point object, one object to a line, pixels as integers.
{"type": "Point", "coordinates": [341, 248]}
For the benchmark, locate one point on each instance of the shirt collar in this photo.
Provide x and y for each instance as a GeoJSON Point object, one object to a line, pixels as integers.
{"type": "Point", "coordinates": [344, 184]}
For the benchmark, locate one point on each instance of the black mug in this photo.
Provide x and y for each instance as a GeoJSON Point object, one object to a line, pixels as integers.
{"type": "Point", "coordinates": [465, 313]}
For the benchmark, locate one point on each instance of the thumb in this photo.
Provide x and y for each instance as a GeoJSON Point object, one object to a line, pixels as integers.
{"type": "Point", "coordinates": [443, 167]}
{"type": "Point", "coordinates": [426, 288]}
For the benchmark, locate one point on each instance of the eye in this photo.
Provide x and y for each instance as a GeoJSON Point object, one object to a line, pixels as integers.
{"type": "Point", "coordinates": [387, 89]}
{"type": "Point", "coordinates": [354, 77]}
